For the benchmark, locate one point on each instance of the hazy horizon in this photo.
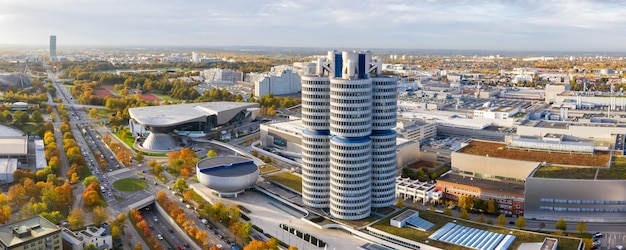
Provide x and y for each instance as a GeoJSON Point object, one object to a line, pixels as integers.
{"type": "Point", "coordinates": [509, 25]}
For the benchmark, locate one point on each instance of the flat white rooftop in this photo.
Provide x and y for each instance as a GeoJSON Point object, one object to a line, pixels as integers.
{"type": "Point", "coordinates": [170, 115]}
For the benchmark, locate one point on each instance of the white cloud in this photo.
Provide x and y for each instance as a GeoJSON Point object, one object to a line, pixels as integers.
{"type": "Point", "coordinates": [467, 24]}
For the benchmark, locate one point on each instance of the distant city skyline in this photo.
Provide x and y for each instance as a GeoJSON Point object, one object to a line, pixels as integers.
{"type": "Point", "coordinates": [591, 25]}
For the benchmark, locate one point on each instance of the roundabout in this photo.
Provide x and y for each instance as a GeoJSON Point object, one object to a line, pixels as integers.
{"type": "Point", "coordinates": [130, 184]}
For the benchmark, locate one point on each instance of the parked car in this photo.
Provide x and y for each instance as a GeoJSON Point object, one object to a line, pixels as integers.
{"type": "Point", "coordinates": [597, 235]}
{"type": "Point", "coordinates": [597, 243]}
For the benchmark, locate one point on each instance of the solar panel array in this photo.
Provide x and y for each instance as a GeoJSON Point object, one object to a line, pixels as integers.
{"type": "Point", "coordinates": [418, 222]}
{"type": "Point", "coordinates": [472, 237]}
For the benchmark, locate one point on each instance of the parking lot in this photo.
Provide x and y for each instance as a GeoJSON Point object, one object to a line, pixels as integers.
{"type": "Point", "coordinates": [612, 240]}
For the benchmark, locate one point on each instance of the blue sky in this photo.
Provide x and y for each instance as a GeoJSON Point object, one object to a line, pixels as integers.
{"type": "Point", "coordinates": [576, 25]}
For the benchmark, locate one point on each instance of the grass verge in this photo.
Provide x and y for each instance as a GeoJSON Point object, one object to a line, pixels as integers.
{"type": "Point", "coordinates": [288, 179]}
{"type": "Point", "coordinates": [130, 184]}
{"type": "Point", "coordinates": [267, 168]}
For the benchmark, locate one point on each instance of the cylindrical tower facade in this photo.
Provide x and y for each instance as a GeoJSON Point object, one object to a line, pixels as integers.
{"type": "Point", "coordinates": [350, 177]}
{"type": "Point", "coordinates": [315, 102]}
{"type": "Point", "coordinates": [384, 109]}
{"type": "Point", "coordinates": [315, 141]}
{"type": "Point", "coordinates": [315, 168]}
{"type": "Point", "coordinates": [350, 107]}
{"type": "Point", "coordinates": [348, 142]}
{"type": "Point", "coordinates": [383, 168]}
{"type": "Point", "coordinates": [384, 103]}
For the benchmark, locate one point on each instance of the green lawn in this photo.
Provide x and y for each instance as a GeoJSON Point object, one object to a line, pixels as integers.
{"type": "Point", "coordinates": [130, 184]}
{"type": "Point", "coordinates": [103, 113]}
{"type": "Point", "coordinates": [161, 178]}
{"type": "Point", "coordinates": [164, 97]}
{"type": "Point", "coordinates": [267, 168]}
{"type": "Point", "coordinates": [288, 179]}
{"type": "Point", "coordinates": [562, 172]}
{"type": "Point", "coordinates": [617, 171]}
{"type": "Point", "coordinates": [129, 140]}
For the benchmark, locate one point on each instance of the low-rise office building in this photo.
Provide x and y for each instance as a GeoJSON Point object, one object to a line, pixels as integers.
{"type": "Point", "coordinates": [417, 191]}
{"type": "Point", "coordinates": [540, 184]}
{"type": "Point", "coordinates": [575, 194]}
{"type": "Point", "coordinates": [97, 236]}
{"type": "Point", "coordinates": [509, 195]}
{"type": "Point", "coordinates": [32, 233]}
{"type": "Point", "coordinates": [416, 129]}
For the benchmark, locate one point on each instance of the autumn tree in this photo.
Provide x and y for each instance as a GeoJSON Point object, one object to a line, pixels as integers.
{"type": "Point", "coordinates": [76, 219]}
{"type": "Point", "coordinates": [17, 194]}
{"type": "Point", "coordinates": [90, 246]}
{"type": "Point", "coordinates": [520, 223]}
{"type": "Point", "coordinates": [54, 216]}
{"type": "Point", "coordinates": [447, 211]}
{"type": "Point", "coordinates": [399, 203]}
{"type": "Point", "coordinates": [464, 215]}
{"type": "Point", "coordinates": [139, 157]}
{"type": "Point", "coordinates": [211, 153]}
{"type": "Point", "coordinates": [501, 221]}
{"type": "Point", "coordinates": [481, 218]}
{"type": "Point", "coordinates": [36, 117]}
{"type": "Point", "coordinates": [492, 206]}
{"type": "Point", "coordinates": [99, 215]}
{"type": "Point", "coordinates": [138, 246]}
{"type": "Point", "coordinates": [180, 185]}
{"type": "Point", "coordinates": [581, 227]}
{"type": "Point", "coordinates": [88, 180]}
{"type": "Point", "coordinates": [256, 245]}
{"type": "Point", "coordinates": [561, 225]}
{"type": "Point", "coordinates": [5, 209]}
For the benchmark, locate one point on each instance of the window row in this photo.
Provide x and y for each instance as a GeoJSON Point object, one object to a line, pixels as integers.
{"type": "Point", "coordinates": [321, 124]}
{"type": "Point", "coordinates": [355, 147]}
{"type": "Point", "coordinates": [350, 101]}
{"type": "Point", "coordinates": [350, 116]}
{"type": "Point", "coordinates": [394, 90]}
{"type": "Point", "coordinates": [360, 109]}
{"type": "Point", "coordinates": [350, 86]}
{"type": "Point", "coordinates": [351, 123]}
{"type": "Point", "coordinates": [314, 152]}
{"type": "Point", "coordinates": [321, 197]}
{"type": "Point", "coordinates": [314, 117]}
{"type": "Point", "coordinates": [598, 202]}
{"type": "Point", "coordinates": [314, 96]}
{"type": "Point", "coordinates": [312, 103]}
{"type": "Point", "coordinates": [583, 209]}
{"type": "Point", "coordinates": [351, 131]}
{"type": "Point", "coordinates": [346, 201]}
{"type": "Point", "coordinates": [340, 161]}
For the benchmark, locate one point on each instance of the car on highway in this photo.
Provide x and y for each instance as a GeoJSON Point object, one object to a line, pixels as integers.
{"type": "Point", "coordinates": [160, 237]}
